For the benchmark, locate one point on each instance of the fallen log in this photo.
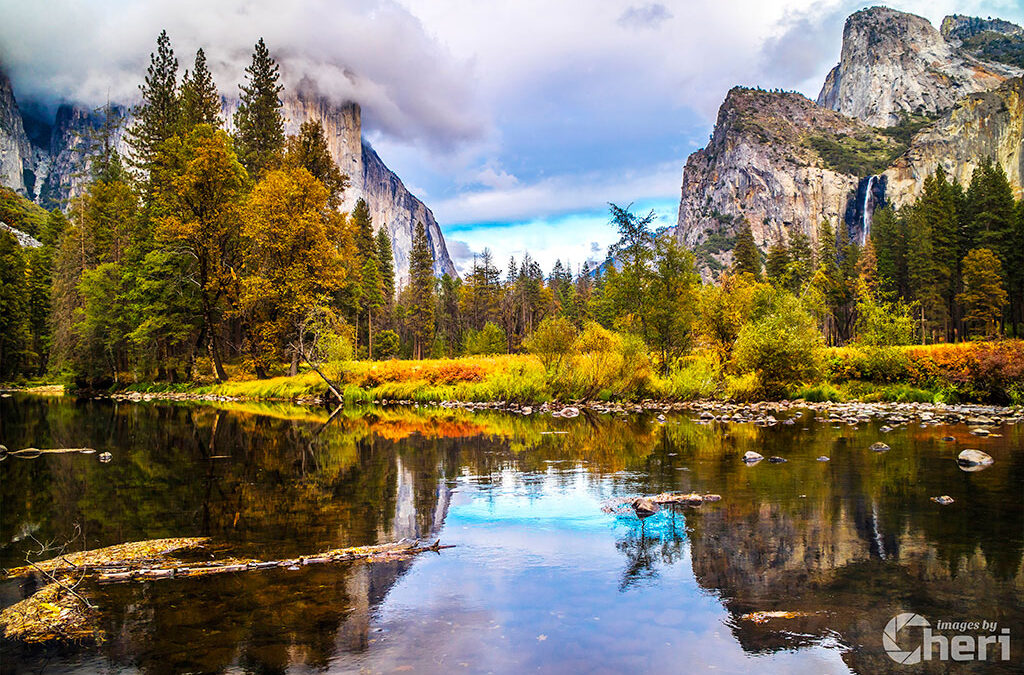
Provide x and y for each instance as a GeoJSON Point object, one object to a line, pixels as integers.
{"type": "Point", "coordinates": [32, 453]}
{"type": "Point", "coordinates": [378, 553]}
{"type": "Point", "coordinates": [57, 612]}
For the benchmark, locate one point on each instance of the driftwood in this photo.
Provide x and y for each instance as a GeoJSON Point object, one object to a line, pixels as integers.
{"type": "Point", "coordinates": [32, 453]}
{"type": "Point", "coordinates": [58, 612]}
{"type": "Point", "coordinates": [380, 553]}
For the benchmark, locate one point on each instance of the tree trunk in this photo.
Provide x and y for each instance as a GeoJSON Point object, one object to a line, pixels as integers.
{"type": "Point", "coordinates": [294, 370]}
{"type": "Point", "coordinates": [369, 334]}
{"type": "Point", "coordinates": [218, 366]}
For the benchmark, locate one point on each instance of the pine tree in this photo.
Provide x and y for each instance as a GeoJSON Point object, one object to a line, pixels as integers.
{"type": "Point", "coordinates": [989, 210]}
{"type": "Point", "coordinates": [801, 262]}
{"type": "Point", "coordinates": [309, 150]}
{"type": "Point", "coordinates": [746, 257]}
{"type": "Point", "coordinates": [362, 222]}
{"type": "Point", "coordinates": [421, 284]}
{"type": "Point", "coordinates": [778, 263]}
{"type": "Point", "coordinates": [259, 126]}
{"type": "Point", "coordinates": [888, 236]}
{"type": "Point", "coordinates": [157, 117]}
{"type": "Point", "coordinates": [200, 102]}
{"type": "Point", "coordinates": [386, 263]}
{"type": "Point", "coordinates": [14, 311]}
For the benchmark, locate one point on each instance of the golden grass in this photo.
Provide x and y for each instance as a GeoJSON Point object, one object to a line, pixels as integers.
{"type": "Point", "coordinates": [50, 614]}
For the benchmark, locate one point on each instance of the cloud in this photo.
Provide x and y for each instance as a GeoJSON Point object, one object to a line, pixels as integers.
{"type": "Point", "coordinates": [644, 16]}
{"type": "Point", "coordinates": [575, 238]}
{"type": "Point", "coordinates": [558, 195]}
{"type": "Point", "coordinates": [376, 52]}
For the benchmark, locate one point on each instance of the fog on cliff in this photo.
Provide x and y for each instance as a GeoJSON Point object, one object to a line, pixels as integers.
{"type": "Point", "coordinates": [374, 52]}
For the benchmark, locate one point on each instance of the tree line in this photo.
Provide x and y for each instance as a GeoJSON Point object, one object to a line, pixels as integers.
{"type": "Point", "coordinates": [203, 251]}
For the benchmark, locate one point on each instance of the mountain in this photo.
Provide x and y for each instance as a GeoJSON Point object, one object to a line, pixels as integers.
{"type": "Point", "coordinates": [894, 63]}
{"type": "Point", "coordinates": [903, 100]}
{"type": "Point", "coordinates": [48, 161]}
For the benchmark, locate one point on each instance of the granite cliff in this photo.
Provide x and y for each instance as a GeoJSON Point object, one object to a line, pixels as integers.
{"type": "Point", "coordinates": [903, 101]}
{"type": "Point", "coordinates": [53, 166]}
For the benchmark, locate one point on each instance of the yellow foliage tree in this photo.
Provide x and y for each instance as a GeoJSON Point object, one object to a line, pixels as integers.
{"type": "Point", "coordinates": [295, 248]}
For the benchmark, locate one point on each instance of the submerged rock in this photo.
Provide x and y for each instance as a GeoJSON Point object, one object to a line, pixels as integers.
{"type": "Point", "coordinates": [973, 458]}
{"type": "Point", "coordinates": [944, 500]}
{"type": "Point", "coordinates": [777, 460]}
{"type": "Point", "coordinates": [879, 447]}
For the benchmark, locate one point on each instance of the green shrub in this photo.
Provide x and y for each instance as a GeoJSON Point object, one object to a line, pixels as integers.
{"type": "Point", "coordinates": [783, 347]}
{"type": "Point", "coordinates": [743, 388]}
{"type": "Point", "coordinates": [488, 340]}
{"type": "Point", "coordinates": [695, 377]}
{"type": "Point", "coordinates": [552, 343]}
{"type": "Point", "coordinates": [819, 393]}
{"type": "Point", "coordinates": [386, 345]}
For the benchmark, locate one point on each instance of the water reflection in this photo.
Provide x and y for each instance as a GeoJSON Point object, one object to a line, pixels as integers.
{"type": "Point", "coordinates": [541, 578]}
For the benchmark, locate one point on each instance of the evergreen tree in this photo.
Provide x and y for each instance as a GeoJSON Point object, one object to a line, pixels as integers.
{"type": "Point", "coordinates": [310, 151]}
{"type": "Point", "coordinates": [746, 257]}
{"type": "Point", "coordinates": [801, 265]}
{"type": "Point", "coordinates": [157, 117]}
{"type": "Point", "coordinates": [777, 266]}
{"type": "Point", "coordinates": [14, 311]}
{"type": "Point", "coordinates": [888, 238]}
{"type": "Point", "coordinates": [362, 222]}
{"type": "Point", "coordinates": [386, 264]}
{"type": "Point", "coordinates": [259, 126]}
{"type": "Point", "coordinates": [989, 211]}
{"type": "Point", "coordinates": [627, 289]}
{"type": "Point", "coordinates": [421, 285]}
{"type": "Point", "coordinates": [200, 102]}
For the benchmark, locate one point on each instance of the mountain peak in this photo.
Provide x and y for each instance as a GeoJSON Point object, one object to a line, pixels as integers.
{"type": "Point", "coordinates": [895, 63]}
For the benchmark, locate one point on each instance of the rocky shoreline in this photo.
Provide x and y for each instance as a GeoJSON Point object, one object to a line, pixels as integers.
{"type": "Point", "coordinates": [764, 413]}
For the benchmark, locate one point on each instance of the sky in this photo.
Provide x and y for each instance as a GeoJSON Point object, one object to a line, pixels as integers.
{"type": "Point", "coordinates": [516, 121]}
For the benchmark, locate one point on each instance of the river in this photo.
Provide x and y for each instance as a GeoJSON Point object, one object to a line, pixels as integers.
{"type": "Point", "coordinates": [541, 579]}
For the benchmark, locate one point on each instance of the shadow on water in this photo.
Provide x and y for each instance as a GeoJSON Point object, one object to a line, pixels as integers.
{"type": "Point", "coordinates": [842, 545]}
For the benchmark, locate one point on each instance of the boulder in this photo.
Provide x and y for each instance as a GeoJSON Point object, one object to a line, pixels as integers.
{"type": "Point", "coordinates": [971, 457]}
{"type": "Point", "coordinates": [751, 457]}
{"type": "Point", "coordinates": [879, 447]}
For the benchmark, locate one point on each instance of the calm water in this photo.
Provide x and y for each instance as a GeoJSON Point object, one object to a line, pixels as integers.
{"type": "Point", "coordinates": [541, 579]}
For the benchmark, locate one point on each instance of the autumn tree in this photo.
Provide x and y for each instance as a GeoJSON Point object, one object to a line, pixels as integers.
{"type": "Point", "coordinates": [202, 196]}
{"type": "Point", "coordinates": [259, 126]}
{"type": "Point", "coordinates": [983, 297]}
{"type": "Point", "coordinates": [290, 265]}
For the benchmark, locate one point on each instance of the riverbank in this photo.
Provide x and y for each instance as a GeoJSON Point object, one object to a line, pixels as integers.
{"type": "Point", "coordinates": [986, 373]}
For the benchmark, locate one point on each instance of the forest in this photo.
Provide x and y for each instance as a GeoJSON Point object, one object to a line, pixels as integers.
{"type": "Point", "coordinates": [203, 257]}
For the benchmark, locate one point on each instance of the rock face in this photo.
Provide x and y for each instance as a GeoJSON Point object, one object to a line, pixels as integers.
{"type": "Point", "coordinates": [895, 63]}
{"type": "Point", "coordinates": [987, 124]}
{"type": "Point", "coordinates": [390, 202]}
{"type": "Point", "coordinates": [765, 164]}
{"type": "Point", "coordinates": [783, 163]}
{"type": "Point", "coordinates": [55, 168]}
{"type": "Point", "coordinates": [15, 149]}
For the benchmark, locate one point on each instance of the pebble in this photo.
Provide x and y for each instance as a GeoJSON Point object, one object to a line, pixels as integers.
{"type": "Point", "coordinates": [777, 460]}
{"type": "Point", "coordinates": [944, 500]}
{"type": "Point", "coordinates": [972, 457]}
{"type": "Point", "coordinates": [823, 458]}
{"type": "Point", "coordinates": [105, 457]}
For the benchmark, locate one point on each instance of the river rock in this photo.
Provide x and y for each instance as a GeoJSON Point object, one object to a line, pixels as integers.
{"type": "Point", "coordinates": [971, 457]}
{"type": "Point", "coordinates": [751, 457]}
{"type": "Point", "coordinates": [980, 432]}
{"type": "Point", "coordinates": [570, 411]}
{"type": "Point", "coordinates": [712, 497]}
{"type": "Point", "coordinates": [944, 500]}
{"type": "Point", "coordinates": [105, 457]}
{"type": "Point", "coordinates": [879, 447]}
{"type": "Point", "coordinates": [823, 458]}
{"type": "Point", "coordinates": [777, 460]}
